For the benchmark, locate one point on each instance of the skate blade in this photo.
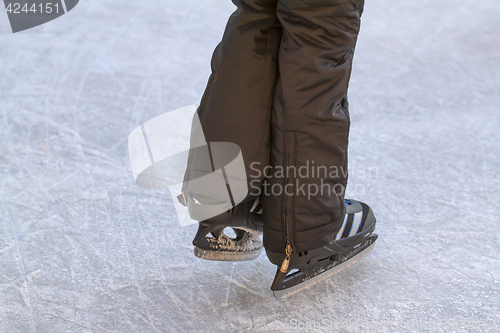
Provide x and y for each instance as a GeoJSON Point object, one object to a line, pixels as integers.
{"type": "Point", "coordinates": [226, 255]}
{"type": "Point", "coordinates": [282, 294]}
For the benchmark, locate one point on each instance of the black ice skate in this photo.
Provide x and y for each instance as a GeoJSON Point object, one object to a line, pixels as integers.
{"type": "Point", "coordinates": [354, 241]}
{"type": "Point", "coordinates": [230, 236]}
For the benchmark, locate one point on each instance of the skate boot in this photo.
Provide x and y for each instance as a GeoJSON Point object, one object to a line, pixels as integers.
{"type": "Point", "coordinates": [353, 242]}
{"type": "Point", "coordinates": [231, 236]}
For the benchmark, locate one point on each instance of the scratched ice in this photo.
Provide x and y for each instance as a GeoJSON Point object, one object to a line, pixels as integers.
{"type": "Point", "coordinates": [84, 249]}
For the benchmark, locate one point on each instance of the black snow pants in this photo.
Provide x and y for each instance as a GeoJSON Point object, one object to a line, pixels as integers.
{"type": "Point", "coordinates": [278, 90]}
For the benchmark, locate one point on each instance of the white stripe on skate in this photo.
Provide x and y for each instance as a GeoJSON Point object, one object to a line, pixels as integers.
{"type": "Point", "coordinates": [359, 228]}
{"type": "Point", "coordinates": [355, 224]}
{"type": "Point", "coordinates": [342, 229]}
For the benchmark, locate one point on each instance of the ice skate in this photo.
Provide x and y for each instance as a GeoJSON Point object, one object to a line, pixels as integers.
{"type": "Point", "coordinates": [231, 236]}
{"type": "Point", "coordinates": [353, 242]}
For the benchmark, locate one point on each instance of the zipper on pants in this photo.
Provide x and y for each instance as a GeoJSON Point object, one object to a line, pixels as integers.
{"type": "Point", "coordinates": [288, 245]}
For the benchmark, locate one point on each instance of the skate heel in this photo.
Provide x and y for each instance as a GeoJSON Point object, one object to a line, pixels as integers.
{"type": "Point", "coordinates": [310, 267]}
{"type": "Point", "coordinates": [305, 276]}
{"type": "Point", "coordinates": [231, 236]}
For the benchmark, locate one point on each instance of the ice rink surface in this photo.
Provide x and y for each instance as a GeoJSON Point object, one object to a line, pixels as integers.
{"type": "Point", "coordinates": [83, 249]}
